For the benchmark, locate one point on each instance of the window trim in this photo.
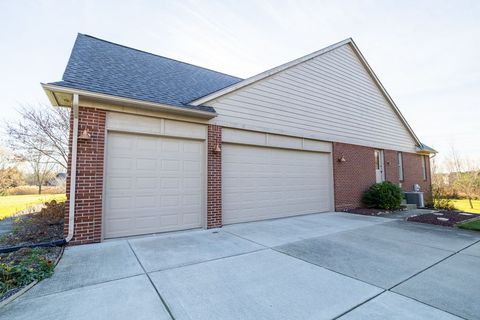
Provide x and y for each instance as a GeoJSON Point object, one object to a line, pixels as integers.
{"type": "Point", "coordinates": [424, 168]}
{"type": "Point", "coordinates": [401, 169]}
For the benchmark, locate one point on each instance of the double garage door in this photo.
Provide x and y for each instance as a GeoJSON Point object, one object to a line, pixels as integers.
{"type": "Point", "coordinates": [156, 184]}
{"type": "Point", "coordinates": [262, 183]}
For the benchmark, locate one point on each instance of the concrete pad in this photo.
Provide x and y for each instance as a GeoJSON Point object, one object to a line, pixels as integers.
{"type": "Point", "coordinates": [381, 262]}
{"type": "Point", "coordinates": [259, 285]}
{"type": "Point", "coordinates": [175, 250]}
{"type": "Point", "coordinates": [131, 298]}
{"type": "Point", "coordinates": [452, 285]}
{"type": "Point", "coordinates": [392, 306]}
{"type": "Point", "coordinates": [427, 235]}
{"type": "Point", "coordinates": [281, 231]}
{"type": "Point", "coordinates": [473, 250]}
{"type": "Point", "coordinates": [89, 264]}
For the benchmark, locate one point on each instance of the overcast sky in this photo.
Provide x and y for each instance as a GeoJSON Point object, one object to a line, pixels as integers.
{"type": "Point", "coordinates": [426, 53]}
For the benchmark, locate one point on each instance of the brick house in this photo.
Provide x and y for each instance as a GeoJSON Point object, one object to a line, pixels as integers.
{"type": "Point", "coordinates": [160, 145]}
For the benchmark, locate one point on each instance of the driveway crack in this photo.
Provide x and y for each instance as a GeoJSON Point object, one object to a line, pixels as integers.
{"type": "Point", "coordinates": [151, 282]}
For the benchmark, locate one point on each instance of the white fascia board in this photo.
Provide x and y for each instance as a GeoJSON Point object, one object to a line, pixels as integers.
{"type": "Point", "coordinates": [50, 89]}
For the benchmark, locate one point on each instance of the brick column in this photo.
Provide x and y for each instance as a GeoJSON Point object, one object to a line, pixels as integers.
{"type": "Point", "coordinates": [214, 178]}
{"type": "Point", "coordinates": [352, 177]}
{"type": "Point", "coordinates": [89, 184]}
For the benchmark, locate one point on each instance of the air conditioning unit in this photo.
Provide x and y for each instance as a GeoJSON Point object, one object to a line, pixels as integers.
{"type": "Point", "coordinates": [415, 198]}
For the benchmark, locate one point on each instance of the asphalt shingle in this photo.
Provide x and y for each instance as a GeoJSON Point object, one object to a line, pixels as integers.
{"type": "Point", "coordinates": [100, 66]}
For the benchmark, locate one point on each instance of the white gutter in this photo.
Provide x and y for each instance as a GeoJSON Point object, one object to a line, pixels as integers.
{"type": "Point", "coordinates": [50, 88]}
{"type": "Point", "coordinates": [73, 170]}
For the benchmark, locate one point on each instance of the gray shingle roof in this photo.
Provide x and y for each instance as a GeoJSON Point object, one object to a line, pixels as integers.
{"type": "Point", "coordinates": [105, 67]}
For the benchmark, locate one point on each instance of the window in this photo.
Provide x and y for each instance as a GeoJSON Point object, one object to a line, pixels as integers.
{"type": "Point", "coordinates": [400, 166]}
{"type": "Point", "coordinates": [377, 159]}
{"type": "Point", "coordinates": [424, 167]}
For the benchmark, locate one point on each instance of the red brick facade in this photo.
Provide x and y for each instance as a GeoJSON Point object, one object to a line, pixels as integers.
{"type": "Point", "coordinates": [214, 177]}
{"type": "Point", "coordinates": [357, 173]}
{"type": "Point", "coordinates": [352, 177]}
{"type": "Point", "coordinates": [412, 171]}
{"type": "Point", "coordinates": [89, 184]}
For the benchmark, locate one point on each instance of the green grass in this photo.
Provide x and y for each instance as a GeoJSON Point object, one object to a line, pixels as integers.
{"type": "Point", "coordinates": [9, 205]}
{"type": "Point", "coordinates": [472, 225]}
{"type": "Point", "coordinates": [463, 205]}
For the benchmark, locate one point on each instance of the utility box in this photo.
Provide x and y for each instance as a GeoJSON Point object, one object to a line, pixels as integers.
{"type": "Point", "coordinates": [415, 198]}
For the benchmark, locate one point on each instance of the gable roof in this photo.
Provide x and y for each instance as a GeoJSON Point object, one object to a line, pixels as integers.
{"type": "Point", "coordinates": [273, 71]}
{"type": "Point", "coordinates": [104, 67]}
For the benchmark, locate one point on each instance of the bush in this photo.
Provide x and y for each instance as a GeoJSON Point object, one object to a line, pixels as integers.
{"type": "Point", "coordinates": [443, 204]}
{"type": "Point", "coordinates": [385, 195]}
{"type": "Point", "coordinates": [32, 266]}
{"type": "Point", "coordinates": [51, 214]}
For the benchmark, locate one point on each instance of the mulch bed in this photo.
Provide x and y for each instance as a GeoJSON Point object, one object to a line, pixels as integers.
{"type": "Point", "coordinates": [368, 211]}
{"type": "Point", "coordinates": [439, 218]}
{"type": "Point", "coordinates": [35, 227]}
{"type": "Point", "coordinates": [29, 229]}
{"type": "Point", "coordinates": [12, 258]}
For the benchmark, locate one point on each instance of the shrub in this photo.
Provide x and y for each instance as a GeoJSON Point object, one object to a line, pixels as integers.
{"type": "Point", "coordinates": [443, 204]}
{"type": "Point", "coordinates": [384, 195]}
{"type": "Point", "coordinates": [51, 214]}
{"type": "Point", "coordinates": [32, 266]}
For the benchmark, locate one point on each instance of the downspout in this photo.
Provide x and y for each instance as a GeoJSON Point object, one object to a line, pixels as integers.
{"type": "Point", "coordinates": [73, 170]}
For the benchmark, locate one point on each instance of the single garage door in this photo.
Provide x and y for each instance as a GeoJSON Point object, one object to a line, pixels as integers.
{"type": "Point", "coordinates": [263, 183]}
{"type": "Point", "coordinates": [153, 184]}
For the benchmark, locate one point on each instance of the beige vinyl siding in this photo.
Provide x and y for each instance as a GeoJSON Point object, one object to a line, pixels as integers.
{"type": "Point", "coordinates": [331, 97]}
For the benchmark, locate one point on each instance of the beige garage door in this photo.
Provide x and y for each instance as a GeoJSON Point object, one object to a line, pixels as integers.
{"type": "Point", "coordinates": [153, 184]}
{"type": "Point", "coordinates": [262, 183]}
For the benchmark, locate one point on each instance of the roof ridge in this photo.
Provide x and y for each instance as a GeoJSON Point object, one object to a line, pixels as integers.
{"type": "Point", "coordinates": [157, 55]}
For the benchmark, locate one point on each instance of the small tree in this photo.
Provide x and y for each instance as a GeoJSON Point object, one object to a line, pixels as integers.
{"type": "Point", "coordinates": [465, 176]}
{"type": "Point", "coordinates": [41, 168]}
{"type": "Point", "coordinates": [43, 130]}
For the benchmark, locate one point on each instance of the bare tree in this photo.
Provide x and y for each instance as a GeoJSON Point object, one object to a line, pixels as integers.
{"type": "Point", "coordinates": [465, 176]}
{"type": "Point", "coordinates": [42, 167]}
{"type": "Point", "coordinates": [41, 130]}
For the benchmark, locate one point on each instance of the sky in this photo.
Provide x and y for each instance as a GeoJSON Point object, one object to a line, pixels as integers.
{"type": "Point", "coordinates": [426, 53]}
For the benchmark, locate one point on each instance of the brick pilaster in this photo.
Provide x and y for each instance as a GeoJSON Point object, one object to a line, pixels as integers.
{"type": "Point", "coordinates": [214, 178]}
{"type": "Point", "coordinates": [89, 184]}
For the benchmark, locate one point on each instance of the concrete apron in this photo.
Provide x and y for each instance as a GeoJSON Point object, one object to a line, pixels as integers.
{"type": "Point", "coordinates": [234, 273]}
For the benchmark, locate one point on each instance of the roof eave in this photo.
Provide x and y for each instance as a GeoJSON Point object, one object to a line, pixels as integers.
{"type": "Point", "coordinates": [51, 90]}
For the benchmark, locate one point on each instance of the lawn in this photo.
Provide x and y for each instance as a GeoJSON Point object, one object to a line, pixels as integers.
{"type": "Point", "coordinates": [472, 225]}
{"type": "Point", "coordinates": [9, 205]}
{"type": "Point", "coordinates": [464, 206]}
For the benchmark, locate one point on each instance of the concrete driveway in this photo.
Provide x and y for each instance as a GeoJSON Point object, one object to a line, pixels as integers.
{"type": "Point", "coordinates": [320, 266]}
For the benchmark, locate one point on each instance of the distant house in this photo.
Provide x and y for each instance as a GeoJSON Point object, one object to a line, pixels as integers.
{"type": "Point", "coordinates": [161, 145]}
{"type": "Point", "coordinates": [59, 177]}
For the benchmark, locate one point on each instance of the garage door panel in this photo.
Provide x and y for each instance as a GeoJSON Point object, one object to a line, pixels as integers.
{"type": "Point", "coordinates": [155, 186]}
{"type": "Point", "coordinates": [261, 183]}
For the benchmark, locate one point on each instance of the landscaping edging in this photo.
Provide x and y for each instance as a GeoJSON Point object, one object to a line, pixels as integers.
{"type": "Point", "coordinates": [23, 290]}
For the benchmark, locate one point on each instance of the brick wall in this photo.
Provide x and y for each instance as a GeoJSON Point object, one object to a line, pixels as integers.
{"type": "Point", "coordinates": [391, 165]}
{"type": "Point", "coordinates": [412, 171]}
{"type": "Point", "coordinates": [357, 173]}
{"type": "Point", "coordinates": [214, 178]}
{"type": "Point", "coordinates": [89, 183]}
{"type": "Point", "coordinates": [353, 176]}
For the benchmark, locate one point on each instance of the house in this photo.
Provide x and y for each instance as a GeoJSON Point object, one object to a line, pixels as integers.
{"type": "Point", "coordinates": [162, 145]}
